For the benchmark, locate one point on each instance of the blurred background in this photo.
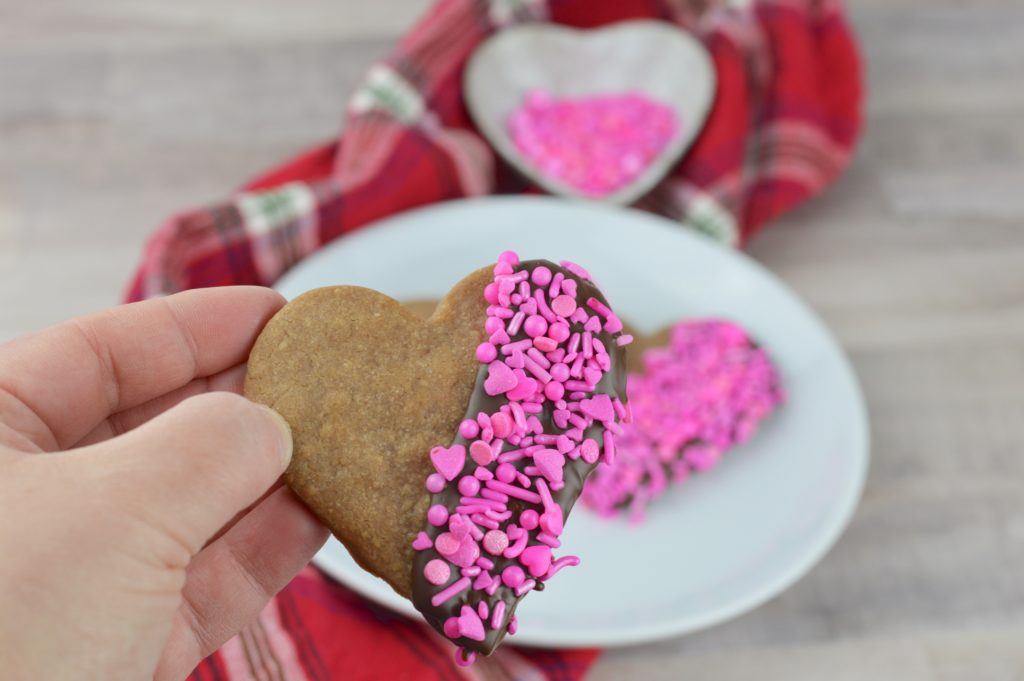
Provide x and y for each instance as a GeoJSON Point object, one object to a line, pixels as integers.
{"type": "Point", "coordinates": [115, 114]}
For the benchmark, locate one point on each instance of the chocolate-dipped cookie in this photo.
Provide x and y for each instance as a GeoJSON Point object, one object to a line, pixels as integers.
{"type": "Point", "coordinates": [446, 454]}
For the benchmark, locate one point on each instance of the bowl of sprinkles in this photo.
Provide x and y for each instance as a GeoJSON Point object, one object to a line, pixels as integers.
{"type": "Point", "coordinates": [601, 115]}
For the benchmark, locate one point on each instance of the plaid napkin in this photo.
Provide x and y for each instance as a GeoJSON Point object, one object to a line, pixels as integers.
{"type": "Point", "coordinates": [783, 125]}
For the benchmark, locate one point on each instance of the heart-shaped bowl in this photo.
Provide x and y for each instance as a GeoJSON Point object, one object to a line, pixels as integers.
{"type": "Point", "coordinates": [654, 58]}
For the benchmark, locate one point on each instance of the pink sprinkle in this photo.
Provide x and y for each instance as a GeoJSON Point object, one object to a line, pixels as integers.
{"type": "Point", "coordinates": [549, 539]}
{"type": "Point", "coordinates": [563, 306]}
{"type": "Point", "coordinates": [609, 448]}
{"type": "Point", "coordinates": [513, 576]}
{"type": "Point", "coordinates": [469, 428]}
{"type": "Point", "coordinates": [624, 339]}
{"type": "Point", "coordinates": [481, 452]}
{"type": "Point", "coordinates": [436, 571]}
{"type": "Point", "coordinates": [486, 352]}
{"type": "Point", "coordinates": [463, 658]}
{"type": "Point", "coordinates": [556, 285]}
{"type": "Point", "coordinates": [469, 485]}
{"type": "Point", "coordinates": [501, 424]}
{"type": "Point", "coordinates": [456, 588]}
{"type": "Point", "coordinates": [422, 542]}
{"type": "Point", "coordinates": [512, 491]}
{"type": "Point", "coordinates": [437, 515]}
{"type": "Point", "coordinates": [435, 483]}
{"type": "Point", "coordinates": [513, 625]}
{"type": "Point", "coordinates": [564, 561]}
{"type": "Point", "coordinates": [498, 615]}
{"type": "Point", "coordinates": [524, 587]}
{"type": "Point", "coordinates": [500, 379]}
{"type": "Point", "coordinates": [537, 356]}
{"type": "Point", "coordinates": [495, 542]}
{"type": "Point", "coordinates": [544, 344]}
{"type": "Point", "coordinates": [470, 624]}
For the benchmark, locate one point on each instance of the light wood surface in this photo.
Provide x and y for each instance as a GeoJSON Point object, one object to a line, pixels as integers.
{"type": "Point", "coordinates": [114, 114]}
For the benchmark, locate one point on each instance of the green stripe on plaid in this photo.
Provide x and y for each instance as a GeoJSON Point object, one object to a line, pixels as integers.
{"type": "Point", "coordinates": [707, 216]}
{"type": "Point", "coordinates": [386, 91]}
{"type": "Point", "coordinates": [263, 212]}
{"type": "Point", "coordinates": [504, 12]}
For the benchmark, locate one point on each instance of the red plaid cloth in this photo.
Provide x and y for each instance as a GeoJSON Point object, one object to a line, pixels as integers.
{"type": "Point", "coordinates": [783, 125]}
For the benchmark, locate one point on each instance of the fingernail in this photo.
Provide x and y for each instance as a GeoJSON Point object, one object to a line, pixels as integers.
{"type": "Point", "coordinates": [286, 436]}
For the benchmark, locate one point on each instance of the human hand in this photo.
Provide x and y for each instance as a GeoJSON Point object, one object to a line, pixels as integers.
{"type": "Point", "coordinates": [143, 518]}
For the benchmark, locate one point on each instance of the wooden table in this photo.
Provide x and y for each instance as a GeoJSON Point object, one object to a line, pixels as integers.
{"type": "Point", "coordinates": [115, 114]}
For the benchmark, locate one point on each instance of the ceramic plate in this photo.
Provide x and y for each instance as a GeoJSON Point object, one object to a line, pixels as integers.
{"type": "Point", "coordinates": [722, 542]}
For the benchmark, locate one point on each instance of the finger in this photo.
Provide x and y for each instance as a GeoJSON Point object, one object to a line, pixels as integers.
{"type": "Point", "coordinates": [232, 579]}
{"type": "Point", "coordinates": [188, 471]}
{"type": "Point", "coordinates": [57, 385]}
{"type": "Point", "coordinates": [230, 380]}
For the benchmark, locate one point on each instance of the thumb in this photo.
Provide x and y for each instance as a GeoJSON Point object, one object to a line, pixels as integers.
{"type": "Point", "coordinates": [190, 470]}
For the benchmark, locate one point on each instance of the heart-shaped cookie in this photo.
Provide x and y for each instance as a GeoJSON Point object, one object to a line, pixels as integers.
{"type": "Point", "coordinates": [661, 61]}
{"type": "Point", "coordinates": [431, 447]}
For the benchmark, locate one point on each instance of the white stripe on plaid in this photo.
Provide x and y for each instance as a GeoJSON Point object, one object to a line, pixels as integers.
{"type": "Point", "coordinates": [386, 91]}
{"type": "Point", "coordinates": [267, 215]}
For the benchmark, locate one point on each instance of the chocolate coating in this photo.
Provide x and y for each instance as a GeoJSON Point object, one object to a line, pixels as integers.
{"type": "Point", "coordinates": [613, 384]}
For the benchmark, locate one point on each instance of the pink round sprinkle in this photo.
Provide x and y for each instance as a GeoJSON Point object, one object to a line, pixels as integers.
{"type": "Point", "coordinates": [437, 571]}
{"type": "Point", "coordinates": [559, 332]}
{"type": "Point", "coordinates": [554, 390]}
{"type": "Point", "coordinates": [491, 294]}
{"type": "Point", "coordinates": [535, 325]}
{"type": "Point", "coordinates": [511, 257]}
{"type": "Point", "coordinates": [435, 483]}
{"type": "Point", "coordinates": [446, 544]}
{"type": "Point", "coordinates": [469, 429]}
{"type": "Point", "coordinates": [590, 450]}
{"type": "Point", "coordinates": [495, 542]}
{"type": "Point", "coordinates": [486, 353]}
{"type": "Point", "coordinates": [451, 628]}
{"type": "Point", "coordinates": [528, 519]}
{"type": "Point", "coordinates": [559, 372]}
{"type": "Point", "coordinates": [505, 472]}
{"type": "Point", "coordinates": [437, 515]}
{"type": "Point", "coordinates": [541, 276]}
{"type": "Point", "coordinates": [513, 576]}
{"type": "Point", "coordinates": [469, 486]}
{"type": "Point", "coordinates": [481, 452]}
{"type": "Point", "coordinates": [563, 305]}
{"type": "Point", "coordinates": [492, 325]}
{"type": "Point", "coordinates": [501, 423]}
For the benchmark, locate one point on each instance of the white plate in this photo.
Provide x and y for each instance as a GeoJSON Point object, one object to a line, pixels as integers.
{"type": "Point", "coordinates": [717, 545]}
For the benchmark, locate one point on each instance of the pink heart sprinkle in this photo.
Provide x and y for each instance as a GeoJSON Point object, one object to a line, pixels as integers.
{"type": "Point", "coordinates": [598, 408]}
{"type": "Point", "coordinates": [470, 624]}
{"type": "Point", "coordinates": [536, 559]}
{"type": "Point", "coordinates": [525, 386]}
{"type": "Point", "coordinates": [500, 379]}
{"type": "Point", "coordinates": [422, 542]}
{"type": "Point", "coordinates": [449, 462]}
{"type": "Point", "coordinates": [550, 462]}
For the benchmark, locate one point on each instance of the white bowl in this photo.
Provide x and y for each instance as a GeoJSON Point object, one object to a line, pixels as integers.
{"type": "Point", "coordinates": [653, 57]}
